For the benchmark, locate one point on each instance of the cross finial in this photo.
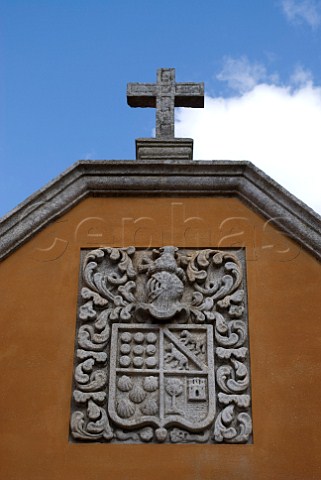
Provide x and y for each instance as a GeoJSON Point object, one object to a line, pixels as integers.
{"type": "Point", "coordinates": [164, 96]}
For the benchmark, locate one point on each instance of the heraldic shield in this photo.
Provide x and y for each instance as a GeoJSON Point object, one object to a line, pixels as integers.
{"type": "Point", "coordinates": [162, 347]}
{"type": "Point", "coordinates": [162, 376]}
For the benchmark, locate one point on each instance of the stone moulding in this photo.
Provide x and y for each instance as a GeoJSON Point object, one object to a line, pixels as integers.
{"type": "Point", "coordinates": [162, 178]}
{"type": "Point", "coordinates": [164, 149]}
{"type": "Point", "coordinates": [162, 352]}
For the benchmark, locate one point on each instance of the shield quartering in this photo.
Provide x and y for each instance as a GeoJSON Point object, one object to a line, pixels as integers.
{"type": "Point", "coordinates": [162, 376]}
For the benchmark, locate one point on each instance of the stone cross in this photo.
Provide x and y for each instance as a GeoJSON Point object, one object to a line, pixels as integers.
{"type": "Point", "coordinates": [164, 96]}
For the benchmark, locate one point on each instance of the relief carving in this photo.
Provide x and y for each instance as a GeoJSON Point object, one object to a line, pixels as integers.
{"type": "Point", "coordinates": [162, 347]}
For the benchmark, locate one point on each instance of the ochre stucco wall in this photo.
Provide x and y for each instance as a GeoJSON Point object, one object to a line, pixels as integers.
{"type": "Point", "coordinates": [38, 285]}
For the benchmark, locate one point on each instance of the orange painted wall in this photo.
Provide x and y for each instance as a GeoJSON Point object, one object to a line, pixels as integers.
{"type": "Point", "coordinates": [38, 285]}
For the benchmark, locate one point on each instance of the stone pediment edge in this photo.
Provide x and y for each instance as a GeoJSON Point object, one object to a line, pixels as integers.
{"type": "Point", "coordinates": [172, 178]}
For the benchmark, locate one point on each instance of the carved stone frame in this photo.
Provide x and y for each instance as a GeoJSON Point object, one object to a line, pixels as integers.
{"type": "Point", "coordinates": [186, 310]}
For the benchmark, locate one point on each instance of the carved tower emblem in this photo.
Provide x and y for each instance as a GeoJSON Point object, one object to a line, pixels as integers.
{"type": "Point", "coordinates": [162, 347]}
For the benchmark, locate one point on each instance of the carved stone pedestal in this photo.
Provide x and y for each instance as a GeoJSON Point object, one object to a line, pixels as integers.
{"type": "Point", "coordinates": [163, 149]}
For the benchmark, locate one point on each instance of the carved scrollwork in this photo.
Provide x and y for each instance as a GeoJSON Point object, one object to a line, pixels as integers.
{"type": "Point", "coordinates": [107, 297]}
{"type": "Point", "coordinates": [177, 435]}
{"type": "Point", "coordinates": [231, 427]}
{"type": "Point", "coordinates": [233, 380]}
{"type": "Point", "coordinates": [148, 318]}
{"type": "Point", "coordinates": [201, 266]}
{"type": "Point", "coordinates": [111, 287]}
{"type": "Point", "coordinates": [96, 428]}
{"type": "Point", "coordinates": [239, 400]}
{"type": "Point", "coordinates": [225, 353]}
{"type": "Point", "coordinates": [82, 397]}
{"type": "Point", "coordinates": [216, 277]}
{"type": "Point", "coordinates": [144, 434]}
{"type": "Point", "coordinates": [229, 333]}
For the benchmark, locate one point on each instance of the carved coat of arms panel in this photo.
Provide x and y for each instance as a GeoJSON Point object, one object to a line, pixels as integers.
{"type": "Point", "coordinates": [162, 347]}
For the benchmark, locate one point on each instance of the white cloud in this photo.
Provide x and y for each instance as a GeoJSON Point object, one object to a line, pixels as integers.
{"type": "Point", "coordinates": [301, 77]}
{"type": "Point", "coordinates": [240, 74]}
{"type": "Point", "coordinates": [302, 11]}
{"type": "Point", "coordinates": [275, 127]}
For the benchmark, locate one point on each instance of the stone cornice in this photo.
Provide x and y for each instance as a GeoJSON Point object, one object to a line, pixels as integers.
{"type": "Point", "coordinates": [162, 178]}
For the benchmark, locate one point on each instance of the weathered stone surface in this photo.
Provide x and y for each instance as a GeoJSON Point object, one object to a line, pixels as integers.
{"type": "Point", "coordinates": [129, 178]}
{"type": "Point", "coordinates": [158, 149]}
{"type": "Point", "coordinates": [162, 347]}
{"type": "Point", "coordinates": [165, 95]}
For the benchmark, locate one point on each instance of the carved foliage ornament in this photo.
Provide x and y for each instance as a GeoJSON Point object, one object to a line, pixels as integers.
{"type": "Point", "coordinates": [162, 347]}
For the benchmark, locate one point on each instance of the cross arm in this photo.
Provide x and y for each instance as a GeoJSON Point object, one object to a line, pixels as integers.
{"type": "Point", "coordinates": [189, 95]}
{"type": "Point", "coordinates": [141, 94]}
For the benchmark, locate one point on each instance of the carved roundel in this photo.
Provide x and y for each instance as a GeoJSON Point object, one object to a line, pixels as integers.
{"type": "Point", "coordinates": [162, 347]}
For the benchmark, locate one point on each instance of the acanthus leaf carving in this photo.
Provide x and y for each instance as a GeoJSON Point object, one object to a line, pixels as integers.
{"type": "Point", "coordinates": [88, 339]}
{"type": "Point", "coordinates": [239, 400]}
{"type": "Point", "coordinates": [145, 434]}
{"type": "Point", "coordinates": [87, 312]}
{"type": "Point", "coordinates": [232, 380]}
{"type": "Point", "coordinates": [97, 428]}
{"type": "Point", "coordinates": [83, 397]}
{"type": "Point", "coordinates": [97, 381]}
{"type": "Point", "coordinates": [86, 366]}
{"type": "Point", "coordinates": [177, 435]}
{"type": "Point", "coordinates": [231, 427]}
{"type": "Point", "coordinates": [98, 356]}
{"type": "Point", "coordinates": [229, 334]}
{"type": "Point", "coordinates": [185, 305]}
{"type": "Point", "coordinates": [225, 353]}
{"type": "Point", "coordinates": [97, 299]}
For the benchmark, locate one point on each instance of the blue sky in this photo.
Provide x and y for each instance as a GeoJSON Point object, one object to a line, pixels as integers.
{"type": "Point", "coordinates": [65, 65]}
